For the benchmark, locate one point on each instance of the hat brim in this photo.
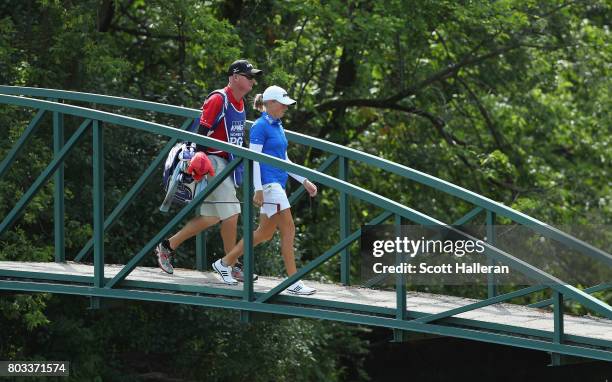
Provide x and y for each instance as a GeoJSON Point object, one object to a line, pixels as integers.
{"type": "Point", "coordinates": [287, 101]}
{"type": "Point", "coordinates": [256, 72]}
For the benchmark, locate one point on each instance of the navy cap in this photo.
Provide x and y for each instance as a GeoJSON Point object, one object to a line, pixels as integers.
{"type": "Point", "coordinates": [243, 67]}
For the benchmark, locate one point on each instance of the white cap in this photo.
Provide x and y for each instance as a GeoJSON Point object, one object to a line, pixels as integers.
{"type": "Point", "coordinates": [276, 93]}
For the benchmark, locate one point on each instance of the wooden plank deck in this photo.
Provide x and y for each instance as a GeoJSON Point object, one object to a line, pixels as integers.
{"type": "Point", "coordinates": [506, 314]}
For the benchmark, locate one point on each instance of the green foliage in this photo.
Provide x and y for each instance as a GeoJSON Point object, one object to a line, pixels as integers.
{"type": "Point", "coordinates": [195, 343]}
{"type": "Point", "coordinates": [510, 99]}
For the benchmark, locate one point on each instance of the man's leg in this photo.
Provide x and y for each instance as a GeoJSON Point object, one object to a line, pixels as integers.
{"type": "Point", "coordinates": [165, 250]}
{"type": "Point", "coordinates": [192, 228]}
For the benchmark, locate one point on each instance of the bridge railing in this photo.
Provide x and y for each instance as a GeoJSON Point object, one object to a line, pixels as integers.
{"type": "Point", "coordinates": [337, 153]}
{"type": "Point", "coordinates": [95, 120]}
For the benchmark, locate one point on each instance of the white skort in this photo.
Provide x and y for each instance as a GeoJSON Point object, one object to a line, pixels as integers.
{"type": "Point", "coordinates": [275, 199]}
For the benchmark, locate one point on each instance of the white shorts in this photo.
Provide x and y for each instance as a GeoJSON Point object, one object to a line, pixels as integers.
{"type": "Point", "coordinates": [225, 192]}
{"type": "Point", "coordinates": [275, 199]}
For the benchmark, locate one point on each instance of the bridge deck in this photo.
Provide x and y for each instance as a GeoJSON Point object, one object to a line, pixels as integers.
{"type": "Point", "coordinates": [186, 280]}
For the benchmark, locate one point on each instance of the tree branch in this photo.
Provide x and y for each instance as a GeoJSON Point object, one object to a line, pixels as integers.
{"type": "Point", "coordinates": [146, 33]}
{"type": "Point", "coordinates": [500, 141]}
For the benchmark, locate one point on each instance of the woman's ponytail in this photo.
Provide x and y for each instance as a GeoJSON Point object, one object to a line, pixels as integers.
{"type": "Point", "coordinates": [258, 102]}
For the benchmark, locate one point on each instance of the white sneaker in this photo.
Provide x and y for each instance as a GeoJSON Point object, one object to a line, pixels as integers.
{"type": "Point", "coordinates": [300, 289]}
{"type": "Point", "coordinates": [224, 272]}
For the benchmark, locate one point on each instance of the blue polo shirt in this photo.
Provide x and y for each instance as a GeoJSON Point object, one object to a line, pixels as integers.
{"type": "Point", "coordinates": [269, 132]}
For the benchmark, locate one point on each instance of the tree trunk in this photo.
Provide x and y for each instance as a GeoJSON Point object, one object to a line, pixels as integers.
{"type": "Point", "coordinates": [106, 11]}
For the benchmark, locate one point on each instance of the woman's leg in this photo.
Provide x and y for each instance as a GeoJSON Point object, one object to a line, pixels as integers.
{"type": "Point", "coordinates": [284, 221]}
{"type": "Point", "coordinates": [228, 232]}
{"type": "Point", "coordinates": [267, 226]}
{"type": "Point", "coordinates": [264, 232]}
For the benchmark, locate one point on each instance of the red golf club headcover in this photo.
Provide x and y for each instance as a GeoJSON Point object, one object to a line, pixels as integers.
{"type": "Point", "coordinates": [199, 166]}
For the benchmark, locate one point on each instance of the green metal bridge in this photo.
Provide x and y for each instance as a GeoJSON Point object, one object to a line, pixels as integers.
{"type": "Point", "coordinates": [492, 320]}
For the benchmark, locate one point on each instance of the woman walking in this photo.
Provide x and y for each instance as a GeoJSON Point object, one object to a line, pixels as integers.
{"type": "Point", "coordinates": [267, 136]}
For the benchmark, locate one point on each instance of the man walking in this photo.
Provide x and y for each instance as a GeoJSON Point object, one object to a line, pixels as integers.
{"type": "Point", "coordinates": [223, 118]}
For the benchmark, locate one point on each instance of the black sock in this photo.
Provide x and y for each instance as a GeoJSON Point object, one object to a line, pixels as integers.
{"type": "Point", "coordinates": [166, 244]}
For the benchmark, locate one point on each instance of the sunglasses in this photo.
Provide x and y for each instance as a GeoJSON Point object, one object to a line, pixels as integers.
{"type": "Point", "coordinates": [247, 76]}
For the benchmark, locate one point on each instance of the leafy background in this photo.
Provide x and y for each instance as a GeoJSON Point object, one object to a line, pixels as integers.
{"type": "Point", "coordinates": [510, 99]}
